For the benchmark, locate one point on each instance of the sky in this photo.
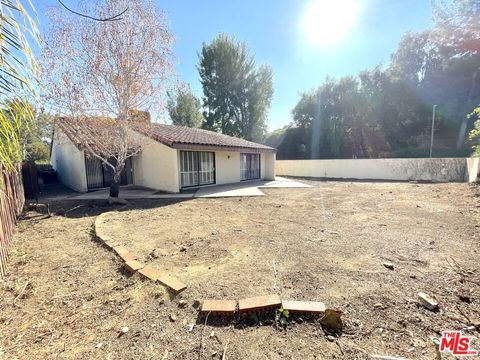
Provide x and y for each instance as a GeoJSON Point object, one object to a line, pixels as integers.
{"type": "Point", "coordinates": [303, 41]}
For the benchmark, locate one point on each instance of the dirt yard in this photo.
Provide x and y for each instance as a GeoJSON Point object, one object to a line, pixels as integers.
{"type": "Point", "coordinates": [67, 297]}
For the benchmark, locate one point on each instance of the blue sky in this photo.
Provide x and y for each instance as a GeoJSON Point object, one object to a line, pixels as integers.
{"type": "Point", "coordinates": [274, 30]}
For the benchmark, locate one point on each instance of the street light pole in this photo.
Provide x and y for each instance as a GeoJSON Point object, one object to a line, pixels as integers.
{"type": "Point", "coordinates": [433, 127]}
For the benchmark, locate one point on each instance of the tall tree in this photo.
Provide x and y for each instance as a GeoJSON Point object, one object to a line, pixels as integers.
{"type": "Point", "coordinates": [442, 63]}
{"type": "Point", "coordinates": [107, 68]}
{"type": "Point", "coordinates": [237, 94]}
{"type": "Point", "coordinates": [184, 107]}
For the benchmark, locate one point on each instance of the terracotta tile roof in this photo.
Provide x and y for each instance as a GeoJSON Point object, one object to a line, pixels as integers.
{"type": "Point", "coordinates": [84, 130]}
{"type": "Point", "coordinates": [181, 137]}
{"type": "Point", "coordinates": [177, 137]}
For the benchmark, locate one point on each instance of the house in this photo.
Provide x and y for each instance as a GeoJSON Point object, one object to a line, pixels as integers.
{"type": "Point", "coordinates": [172, 158]}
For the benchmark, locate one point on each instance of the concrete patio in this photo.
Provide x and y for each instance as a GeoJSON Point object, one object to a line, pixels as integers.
{"type": "Point", "coordinates": [244, 189]}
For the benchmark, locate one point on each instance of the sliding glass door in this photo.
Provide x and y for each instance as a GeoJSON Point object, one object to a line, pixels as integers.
{"type": "Point", "coordinates": [197, 168]}
{"type": "Point", "coordinates": [249, 166]}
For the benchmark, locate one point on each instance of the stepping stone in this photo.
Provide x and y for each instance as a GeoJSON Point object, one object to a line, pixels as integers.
{"type": "Point", "coordinates": [303, 307]}
{"type": "Point", "coordinates": [220, 307]}
{"type": "Point", "coordinates": [149, 273]}
{"type": "Point", "coordinates": [174, 284]}
{"type": "Point", "coordinates": [259, 303]}
{"type": "Point", "coordinates": [133, 266]}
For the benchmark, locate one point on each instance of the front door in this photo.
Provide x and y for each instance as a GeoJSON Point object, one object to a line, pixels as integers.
{"type": "Point", "coordinates": [249, 166]}
{"type": "Point", "coordinates": [197, 168]}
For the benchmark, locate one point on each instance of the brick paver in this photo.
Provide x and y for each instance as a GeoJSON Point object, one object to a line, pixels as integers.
{"type": "Point", "coordinates": [133, 266]}
{"type": "Point", "coordinates": [149, 273]}
{"type": "Point", "coordinates": [221, 307]}
{"type": "Point", "coordinates": [174, 284]}
{"type": "Point", "coordinates": [259, 303]}
{"type": "Point", "coordinates": [303, 307]}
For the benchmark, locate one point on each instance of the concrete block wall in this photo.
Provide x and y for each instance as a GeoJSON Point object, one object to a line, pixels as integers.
{"type": "Point", "coordinates": [415, 169]}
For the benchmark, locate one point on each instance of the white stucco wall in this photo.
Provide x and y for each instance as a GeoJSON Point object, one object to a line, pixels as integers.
{"type": "Point", "coordinates": [268, 166]}
{"type": "Point", "coordinates": [473, 169]}
{"type": "Point", "coordinates": [436, 169]}
{"type": "Point", "coordinates": [156, 167]}
{"type": "Point", "coordinates": [69, 162]}
{"type": "Point", "coordinates": [227, 167]}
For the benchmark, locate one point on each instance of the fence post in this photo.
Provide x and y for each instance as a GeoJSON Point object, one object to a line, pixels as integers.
{"type": "Point", "coordinates": [11, 205]}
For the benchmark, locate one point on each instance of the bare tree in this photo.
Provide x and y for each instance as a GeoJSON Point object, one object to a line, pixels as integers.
{"type": "Point", "coordinates": [107, 69]}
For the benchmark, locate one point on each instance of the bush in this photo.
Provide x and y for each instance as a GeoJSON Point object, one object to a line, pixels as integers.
{"type": "Point", "coordinates": [37, 152]}
{"type": "Point", "coordinates": [474, 135]}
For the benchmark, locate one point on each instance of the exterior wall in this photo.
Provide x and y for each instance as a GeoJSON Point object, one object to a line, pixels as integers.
{"type": "Point", "coordinates": [227, 167]}
{"type": "Point", "coordinates": [69, 162]}
{"type": "Point", "coordinates": [157, 167]}
{"type": "Point", "coordinates": [268, 166]}
{"type": "Point", "coordinates": [473, 169]}
{"type": "Point", "coordinates": [436, 169]}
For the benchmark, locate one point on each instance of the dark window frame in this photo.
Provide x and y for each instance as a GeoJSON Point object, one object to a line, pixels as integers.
{"type": "Point", "coordinates": [198, 169]}
{"type": "Point", "coordinates": [250, 170]}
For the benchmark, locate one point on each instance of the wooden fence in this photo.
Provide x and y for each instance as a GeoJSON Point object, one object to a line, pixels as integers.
{"type": "Point", "coordinates": [12, 200]}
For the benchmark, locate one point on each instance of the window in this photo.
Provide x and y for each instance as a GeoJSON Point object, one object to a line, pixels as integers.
{"type": "Point", "coordinates": [197, 168]}
{"type": "Point", "coordinates": [249, 166]}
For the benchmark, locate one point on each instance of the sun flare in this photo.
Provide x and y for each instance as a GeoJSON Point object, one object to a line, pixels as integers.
{"type": "Point", "coordinates": [326, 22]}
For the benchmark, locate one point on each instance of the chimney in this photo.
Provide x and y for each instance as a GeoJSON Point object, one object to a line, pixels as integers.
{"type": "Point", "coordinates": [139, 116]}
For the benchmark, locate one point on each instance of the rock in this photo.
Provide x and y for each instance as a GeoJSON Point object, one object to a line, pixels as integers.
{"type": "Point", "coordinates": [190, 327]}
{"type": "Point", "coordinates": [173, 317]}
{"type": "Point", "coordinates": [330, 338]}
{"type": "Point", "coordinates": [183, 249]}
{"type": "Point", "coordinates": [99, 345]}
{"type": "Point", "coordinates": [212, 334]}
{"type": "Point", "coordinates": [182, 303]}
{"type": "Point", "coordinates": [161, 301]}
{"type": "Point", "coordinates": [378, 306]}
{"type": "Point", "coordinates": [389, 265]}
{"type": "Point", "coordinates": [124, 330]}
{"type": "Point", "coordinates": [154, 254]}
{"type": "Point", "coordinates": [413, 276]}
{"type": "Point", "coordinates": [196, 304]}
{"type": "Point", "coordinates": [214, 353]}
{"type": "Point", "coordinates": [417, 343]}
{"type": "Point", "coordinates": [427, 302]}
{"type": "Point", "coordinates": [332, 321]}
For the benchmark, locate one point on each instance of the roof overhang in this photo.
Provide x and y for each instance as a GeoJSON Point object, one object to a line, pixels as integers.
{"type": "Point", "coordinates": [199, 147]}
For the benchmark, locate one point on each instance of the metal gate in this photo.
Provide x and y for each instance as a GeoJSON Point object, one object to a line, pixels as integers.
{"type": "Point", "coordinates": [99, 175]}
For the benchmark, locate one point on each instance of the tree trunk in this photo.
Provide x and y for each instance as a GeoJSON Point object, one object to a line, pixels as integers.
{"type": "Point", "coordinates": [114, 188]}
{"type": "Point", "coordinates": [462, 133]}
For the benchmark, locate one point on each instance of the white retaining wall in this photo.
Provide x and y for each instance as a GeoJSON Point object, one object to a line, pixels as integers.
{"type": "Point", "coordinates": [422, 169]}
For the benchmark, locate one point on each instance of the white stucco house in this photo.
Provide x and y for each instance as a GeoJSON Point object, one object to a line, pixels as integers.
{"type": "Point", "coordinates": [172, 159]}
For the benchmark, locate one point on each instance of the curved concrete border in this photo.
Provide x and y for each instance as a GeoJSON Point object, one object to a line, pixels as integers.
{"type": "Point", "coordinates": [130, 259]}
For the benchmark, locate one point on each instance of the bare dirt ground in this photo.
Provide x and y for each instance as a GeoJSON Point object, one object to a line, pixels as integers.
{"type": "Point", "coordinates": [67, 297]}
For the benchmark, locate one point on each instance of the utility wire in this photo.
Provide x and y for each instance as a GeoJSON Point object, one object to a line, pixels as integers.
{"type": "Point", "coordinates": [112, 18]}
